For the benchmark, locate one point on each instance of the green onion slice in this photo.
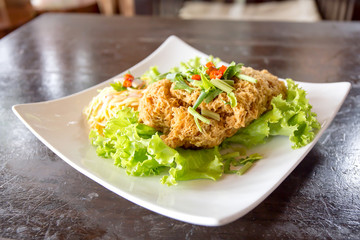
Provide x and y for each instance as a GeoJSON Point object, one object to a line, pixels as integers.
{"type": "Point", "coordinates": [246, 78]}
{"type": "Point", "coordinates": [212, 94]}
{"type": "Point", "coordinates": [198, 115]}
{"type": "Point", "coordinates": [198, 124]}
{"type": "Point", "coordinates": [230, 155]}
{"type": "Point", "coordinates": [233, 101]}
{"type": "Point", "coordinates": [252, 158]}
{"type": "Point", "coordinates": [210, 114]}
{"type": "Point", "coordinates": [201, 97]}
{"type": "Point", "coordinates": [230, 82]}
{"type": "Point", "coordinates": [222, 85]}
{"type": "Point", "coordinates": [206, 84]}
{"type": "Point", "coordinates": [245, 168]}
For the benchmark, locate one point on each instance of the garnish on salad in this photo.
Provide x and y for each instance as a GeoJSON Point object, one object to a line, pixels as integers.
{"type": "Point", "coordinates": [179, 122]}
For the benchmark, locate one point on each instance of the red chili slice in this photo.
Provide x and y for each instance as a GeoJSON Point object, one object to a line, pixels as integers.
{"type": "Point", "coordinates": [215, 74]}
{"type": "Point", "coordinates": [208, 71]}
{"type": "Point", "coordinates": [210, 64]}
{"type": "Point", "coordinates": [128, 78]}
{"type": "Point", "coordinates": [127, 83]}
{"type": "Point", "coordinates": [222, 69]}
{"type": "Point", "coordinates": [196, 77]}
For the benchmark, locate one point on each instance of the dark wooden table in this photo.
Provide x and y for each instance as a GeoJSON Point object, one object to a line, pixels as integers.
{"type": "Point", "coordinates": [56, 55]}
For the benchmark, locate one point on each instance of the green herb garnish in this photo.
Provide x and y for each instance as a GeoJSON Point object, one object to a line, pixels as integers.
{"type": "Point", "coordinates": [117, 86]}
{"type": "Point", "coordinates": [210, 114]}
{"type": "Point", "coordinates": [198, 115]}
{"type": "Point", "coordinates": [222, 85]}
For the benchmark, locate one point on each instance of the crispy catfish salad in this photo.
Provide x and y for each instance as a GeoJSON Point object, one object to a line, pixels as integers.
{"type": "Point", "coordinates": [197, 120]}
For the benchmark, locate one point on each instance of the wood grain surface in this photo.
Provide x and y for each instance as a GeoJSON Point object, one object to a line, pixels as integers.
{"type": "Point", "coordinates": [41, 197]}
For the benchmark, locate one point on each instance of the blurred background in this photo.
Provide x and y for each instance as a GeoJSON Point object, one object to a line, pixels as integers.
{"type": "Point", "coordinates": [14, 13]}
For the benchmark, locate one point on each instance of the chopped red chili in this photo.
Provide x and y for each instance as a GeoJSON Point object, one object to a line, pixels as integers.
{"type": "Point", "coordinates": [209, 70]}
{"type": "Point", "coordinates": [210, 64]}
{"type": "Point", "coordinates": [215, 74]}
{"type": "Point", "coordinates": [128, 78]}
{"type": "Point", "coordinates": [196, 77]}
{"type": "Point", "coordinates": [222, 69]}
{"type": "Point", "coordinates": [127, 83]}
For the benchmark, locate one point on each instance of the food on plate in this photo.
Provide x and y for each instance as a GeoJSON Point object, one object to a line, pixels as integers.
{"type": "Point", "coordinates": [109, 100]}
{"type": "Point", "coordinates": [186, 121]}
{"type": "Point", "coordinates": [166, 109]}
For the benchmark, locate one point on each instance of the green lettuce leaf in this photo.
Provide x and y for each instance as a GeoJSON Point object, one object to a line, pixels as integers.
{"type": "Point", "coordinates": [163, 154]}
{"type": "Point", "coordinates": [140, 151]}
{"type": "Point", "coordinates": [195, 164]}
{"type": "Point", "coordinates": [290, 117]}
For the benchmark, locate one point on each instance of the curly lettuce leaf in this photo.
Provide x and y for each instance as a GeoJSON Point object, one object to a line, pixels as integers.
{"type": "Point", "coordinates": [163, 154]}
{"type": "Point", "coordinates": [289, 117]}
{"type": "Point", "coordinates": [195, 164]}
{"type": "Point", "coordinates": [140, 151]}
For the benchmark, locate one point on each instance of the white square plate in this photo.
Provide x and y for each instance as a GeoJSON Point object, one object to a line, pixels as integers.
{"type": "Point", "coordinates": [59, 124]}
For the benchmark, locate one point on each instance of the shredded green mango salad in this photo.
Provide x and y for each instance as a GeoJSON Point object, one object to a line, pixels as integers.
{"type": "Point", "coordinates": [139, 149]}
